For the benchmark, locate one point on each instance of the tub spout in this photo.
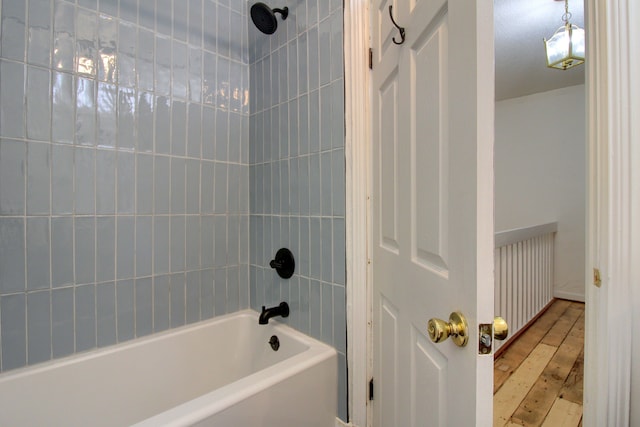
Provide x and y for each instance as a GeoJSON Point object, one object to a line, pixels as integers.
{"type": "Point", "coordinates": [268, 313]}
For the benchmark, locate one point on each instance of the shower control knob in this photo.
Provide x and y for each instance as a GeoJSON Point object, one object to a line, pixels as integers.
{"type": "Point", "coordinates": [284, 263]}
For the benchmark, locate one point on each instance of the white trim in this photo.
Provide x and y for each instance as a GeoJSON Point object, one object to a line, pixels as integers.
{"type": "Point", "coordinates": [509, 237]}
{"type": "Point", "coordinates": [571, 296]}
{"type": "Point", "coordinates": [609, 309]}
{"type": "Point", "coordinates": [356, 46]}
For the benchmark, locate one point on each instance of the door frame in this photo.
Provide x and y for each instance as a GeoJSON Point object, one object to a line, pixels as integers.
{"type": "Point", "coordinates": [612, 164]}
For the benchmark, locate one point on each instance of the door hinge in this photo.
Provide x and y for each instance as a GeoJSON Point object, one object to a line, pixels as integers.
{"type": "Point", "coordinates": [371, 389]}
{"type": "Point", "coordinates": [370, 59]}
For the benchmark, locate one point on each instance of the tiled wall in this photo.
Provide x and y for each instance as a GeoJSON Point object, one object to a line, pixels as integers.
{"type": "Point", "coordinates": [124, 172]}
{"type": "Point", "coordinates": [297, 172]}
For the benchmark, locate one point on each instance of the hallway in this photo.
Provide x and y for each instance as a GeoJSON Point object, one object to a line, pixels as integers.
{"type": "Point", "coordinates": [538, 380]}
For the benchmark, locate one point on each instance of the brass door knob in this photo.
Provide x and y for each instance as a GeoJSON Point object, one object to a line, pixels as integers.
{"type": "Point", "coordinates": [456, 328]}
{"type": "Point", "coordinates": [500, 328]}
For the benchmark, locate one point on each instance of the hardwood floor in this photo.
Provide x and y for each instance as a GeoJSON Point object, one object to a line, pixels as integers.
{"type": "Point", "coordinates": [538, 378]}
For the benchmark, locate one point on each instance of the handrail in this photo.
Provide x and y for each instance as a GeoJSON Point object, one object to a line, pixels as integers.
{"type": "Point", "coordinates": [509, 237]}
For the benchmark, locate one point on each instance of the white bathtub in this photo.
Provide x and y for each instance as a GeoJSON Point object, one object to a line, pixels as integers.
{"type": "Point", "coordinates": [221, 372]}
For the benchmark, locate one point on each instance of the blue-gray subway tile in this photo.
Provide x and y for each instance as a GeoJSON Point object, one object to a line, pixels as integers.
{"type": "Point", "coordinates": [163, 125]}
{"type": "Point", "coordinates": [303, 124]}
{"type": "Point", "coordinates": [195, 22]}
{"type": "Point", "coordinates": [147, 13]}
{"type": "Point", "coordinates": [177, 243]}
{"type": "Point", "coordinates": [39, 326]}
{"type": "Point", "coordinates": [163, 16]}
{"type": "Point", "coordinates": [105, 182]}
{"type": "Point", "coordinates": [315, 248]}
{"type": "Point", "coordinates": [303, 185]}
{"type": "Point", "coordinates": [195, 81]}
{"type": "Point", "coordinates": [233, 240]}
{"type": "Point", "coordinates": [243, 287]}
{"type": "Point", "coordinates": [339, 251]}
{"type": "Point", "coordinates": [178, 128]}
{"type": "Point", "coordinates": [206, 294]}
{"type": "Point", "coordinates": [304, 309]}
{"type": "Point", "coordinates": [162, 184]}
{"type": "Point", "coordinates": [145, 122]}
{"type": "Point", "coordinates": [14, 331]}
{"type": "Point", "coordinates": [62, 331]}
{"type": "Point", "coordinates": [177, 299]}
{"type": "Point", "coordinates": [86, 91]}
{"type": "Point", "coordinates": [38, 172]}
{"type": "Point", "coordinates": [161, 244]}
{"type": "Point", "coordinates": [14, 19]}
{"type": "Point", "coordinates": [125, 250]}
{"type": "Point", "coordinates": [145, 61]}
{"type": "Point", "coordinates": [106, 314]}
{"type": "Point", "coordinates": [38, 104]}
{"type": "Point", "coordinates": [180, 21]}
{"type": "Point", "coordinates": [84, 250]}
{"type": "Point", "coordinates": [105, 248]}
{"type": "Point", "coordinates": [38, 241]}
{"type": "Point", "coordinates": [193, 186]}
{"type": "Point", "coordinates": [179, 66]}
{"type": "Point", "coordinates": [326, 333]}
{"type": "Point", "coordinates": [125, 310]}
{"type": "Point", "coordinates": [126, 113]}
{"type": "Point", "coordinates": [144, 245]}
{"type": "Point", "coordinates": [63, 106]}
{"type": "Point", "coordinates": [208, 133]}
{"type": "Point", "coordinates": [220, 291]}
{"type": "Point", "coordinates": [62, 272]}
{"type": "Point", "coordinates": [194, 139]}
{"type": "Point", "coordinates": [327, 249]}
{"type": "Point", "coordinates": [339, 319]}
{"type": "Point", "coordinates": [294, 301]}
{"type": "Point", "coordinates": [315, 309]}
{"type": "Point", "coordinates": [315, 190]}
{"type": "Point", "coordinates": [221, 181]}
{"type": "Point", "coordinates": [222, 135]}
{"type": "Point", "coordinates": [337, 114]}
{"type": "Point", "coordinates": [193, 296]}
{"type": "Point", "coordinates": [338, 182]}
{"type": "Point", "coordinates": [178, 179]}
{"type": "Point", "coordinates": [85, 317]}
{"type": "Point", "coordinates": [107, 115]}
{"type": "Point", "coordinates": [13, 165]}
{"type": "Point", "coordinates": [207, 188]}
{"type": "Point", "coordinates": [61, 179]}
{"type": "Point", "coordinates": [161, 301]}
{"type": "Point", "coordinates": [63, 36]}
{"type": "Point", "coordinates": [233, 292]}
{"type": "Point", "coordinates": [84, 180]}
{"type": "Point", "coordinates": [107, 46]}
{"type": "Point", "coordinates": [144, 184]}
{"type": "Point", "coordinates": [192, 243]}
{"type": "Point", "coordinates": [109, 7]}
{"type": "Point", "coordinates": [326, 184]}
{"type": "Point", "coordinates": [143, 308]}
{"type": "Point", "coordinates": [220, 234]}
{"type": "Point", "coordinates": [127, 46]}
{"type": "Point", "coordinates": [125, 182]}
{"type": "Point", "coordinates": [12, 100]}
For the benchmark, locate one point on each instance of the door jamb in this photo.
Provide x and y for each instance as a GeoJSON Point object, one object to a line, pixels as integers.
{"type": "Point", "coordinates": [610, 212]}
{"type": "Point", "coordinates": [357, 110]}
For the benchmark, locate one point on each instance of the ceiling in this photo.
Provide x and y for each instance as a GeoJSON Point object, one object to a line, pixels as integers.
{"type": "Point", "coordinates": [520, 26]}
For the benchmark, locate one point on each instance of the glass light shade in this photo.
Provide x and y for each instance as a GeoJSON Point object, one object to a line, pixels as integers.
{"type": "Point", "coordinates": [566, 48]}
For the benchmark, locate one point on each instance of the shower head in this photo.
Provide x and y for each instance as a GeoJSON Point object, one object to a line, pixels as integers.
{"type": "Point", "coordinates": [264, 17]}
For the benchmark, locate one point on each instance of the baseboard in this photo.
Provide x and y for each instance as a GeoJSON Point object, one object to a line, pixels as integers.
{"type": "Point", "coordinates": [340, 423]}
{"type": "Point", "coordinates": [571, 296]}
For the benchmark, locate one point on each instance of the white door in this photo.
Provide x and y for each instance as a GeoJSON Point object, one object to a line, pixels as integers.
{"type": "Point", "coordinates": [432, 209]}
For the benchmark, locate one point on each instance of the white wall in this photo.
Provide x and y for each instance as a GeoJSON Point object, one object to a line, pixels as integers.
{"type": "Point", "coordinates": [540, 162]}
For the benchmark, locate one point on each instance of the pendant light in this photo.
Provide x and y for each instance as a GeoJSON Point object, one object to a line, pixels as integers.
{"type": "Point", "coordinates": [566, 48]}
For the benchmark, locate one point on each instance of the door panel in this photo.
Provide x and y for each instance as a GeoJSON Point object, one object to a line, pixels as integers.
{"type": "Point", "coordinates": [431, 221]}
